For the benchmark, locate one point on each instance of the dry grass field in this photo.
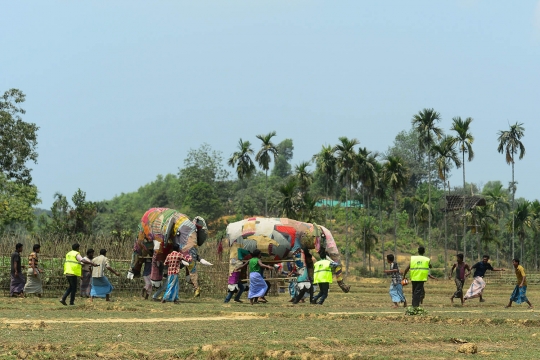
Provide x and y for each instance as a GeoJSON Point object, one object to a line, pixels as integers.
{"type": "Point", "coordinates": [357, 325]}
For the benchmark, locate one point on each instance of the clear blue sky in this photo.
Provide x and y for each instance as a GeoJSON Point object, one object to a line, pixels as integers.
{"type": "Point", "coordinates": [122, 90]}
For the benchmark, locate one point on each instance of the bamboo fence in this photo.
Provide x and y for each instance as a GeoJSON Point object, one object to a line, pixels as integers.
{"type": "Point", "coordinates": [212, 279]}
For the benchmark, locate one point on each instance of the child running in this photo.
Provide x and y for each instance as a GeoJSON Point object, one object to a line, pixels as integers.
{"type": "Point", "coordinates": [396, 289]}
{"type": "Point", "coordinates": [460, 268]}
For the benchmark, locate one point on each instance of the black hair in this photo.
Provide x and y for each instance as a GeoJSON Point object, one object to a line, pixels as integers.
{"type": "Point", "coordinates": [516, 260]}
{"type": "Point", "coordinates": [460, 256]}
{"type": "Point", "coordinates": [89, 251]}
{"type": "Point", "coordinates": [256, 253]}
{"type": "Point", "coordinates": [18, 246]}
{"type": "Point", "coordinates": [36, 247]}
{"type": "Point", "coordinates": [103, 252]}
{"type": "Point", "coordinates": [421, 250]}
{"type": "Point", "coordinates": [176, 247]}
{"type": "Point", "coordinates": [75, 246]}
{"type": "Point", "coordinates": [390, 257]}
{"type": "Point", "coordinates": [485, 257]}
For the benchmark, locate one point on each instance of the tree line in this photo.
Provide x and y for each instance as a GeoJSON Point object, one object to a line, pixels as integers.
{"type": "Point", "coordinates": [374, 202]}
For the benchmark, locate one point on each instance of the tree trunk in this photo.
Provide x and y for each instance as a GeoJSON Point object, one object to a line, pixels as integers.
{"type": "Point", "coordinates": [395, 224]}
{"type": "Point", "coordinates": [445, 230]}
{"type": "Point", "coordinates": [429, 204]}
{"type": "Point", "coordinates": [347, 231]}
{"type": "Point", "coordinates": [464, 209]}
{"type": "Point", "coordinates": [380, 235]}
{"type": "Point", "coordinates": [512, 210]}
{"type": "Point", "coordinates": [266, 195]}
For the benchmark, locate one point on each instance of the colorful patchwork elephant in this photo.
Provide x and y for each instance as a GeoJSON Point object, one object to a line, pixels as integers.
{"type": "Point", "coordinates": [278, 238]}
{"type": "Point", "coordinates": [159, 229]}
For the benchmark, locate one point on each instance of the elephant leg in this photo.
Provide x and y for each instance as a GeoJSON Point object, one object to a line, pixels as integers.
{"type": "Point", "coordinates": [339, 277]}
{"type": "Point", "coordinates": [136, 264]}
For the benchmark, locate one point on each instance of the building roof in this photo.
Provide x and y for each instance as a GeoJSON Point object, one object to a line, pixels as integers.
{"type": "Point", "coordinates": [335, 203]}
{"type": "Point", "coordinates": [455, 202]}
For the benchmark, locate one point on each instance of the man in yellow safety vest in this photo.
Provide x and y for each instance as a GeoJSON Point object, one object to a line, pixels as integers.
{"type": "Point", "coordinates": [419, 267]}
{"type": "Point", "coordinates": [73, 270]}
{"type": "Point", "coordinates": [322, 276]}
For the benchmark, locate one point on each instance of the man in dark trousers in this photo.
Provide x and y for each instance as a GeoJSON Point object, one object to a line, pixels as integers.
{"type": "Point", "coordinates": [419, 267]}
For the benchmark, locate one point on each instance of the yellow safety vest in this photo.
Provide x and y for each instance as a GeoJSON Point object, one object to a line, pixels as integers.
{"type": "Point", "coordinates": [419, 268]}
{"type": "Point", "coordinates": [322, 273]}
{"type": "Point", "coordinates": [71, 265]}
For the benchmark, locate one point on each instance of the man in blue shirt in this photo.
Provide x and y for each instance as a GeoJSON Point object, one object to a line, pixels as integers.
{"type": "Point", "coordinates": [478, 284]}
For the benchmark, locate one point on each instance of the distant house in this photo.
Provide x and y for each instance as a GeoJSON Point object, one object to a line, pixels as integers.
{"type": "Point", "coordinates": [335, 203]}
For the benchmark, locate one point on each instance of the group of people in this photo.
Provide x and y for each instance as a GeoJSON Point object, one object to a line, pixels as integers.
{"type": "Point", "coordinates": [419, 268]}
{"type": "Point", "coordinates": [305, 273]}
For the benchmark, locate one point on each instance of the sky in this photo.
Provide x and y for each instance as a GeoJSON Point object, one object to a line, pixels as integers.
{"type": "Point", "coordinates": [122, 90]}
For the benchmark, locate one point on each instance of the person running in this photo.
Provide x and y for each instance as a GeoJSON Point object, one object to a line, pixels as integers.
{"type": "Point", "coordinates": [101, 286]}
{"type": "Point", "coordinates": [235, 285]}
{"type": "Point", "coordinates": [147, 271]}
{"type": "Point", "coordinates": [303, 284]}
{"type": "Point", "coordinates": [478, 285]}
{"type": "Point", "coordinates": [322, 276]}
{"type": "Point", "coordinates": [72, 270]}
{"type": "Point", "coordinates": [174, 263]}
{"type": "Point", "coordinates": [396, 289]}
{"type": "Point", "coordinates": [257, 286]}
{"type": "Point", "coordinates": [519, 295]}
{"type": "Point", "coordinates": [419, 267]}
{"type": "Point", "coordinates": [16, 286]}
{"type": "Point", "coordinates": [460, 268]}
{"type": "Point", "coordinates": [86, 278]}
{"type": "Point", "coordinates": [33, 278]}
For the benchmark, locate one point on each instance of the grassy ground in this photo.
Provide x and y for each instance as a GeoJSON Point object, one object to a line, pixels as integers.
{"type": "Point", "coordinates": [357, 325]}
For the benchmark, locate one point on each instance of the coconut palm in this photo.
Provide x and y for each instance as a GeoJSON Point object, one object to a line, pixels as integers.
{"type": "Point", "coordinates": [368, 236]}
{"type": "Point", "coordinates": [264, 156]}
{"type": "Point", "coordinates": [522, 219]}
{"type": "Point", "coordinates": [445, 154]}
{"type": "Point", "coordinates": [304, 179]}
{"type": "Point", "coordinates": [510, 143]}
{"type": "Point", "coordinates": [244, 166]}
{"type": "Point", "coordinates": [464, 139]}
{"type": "Point", "coordinates": [535, 210]}
{"type": "Point", "coordinates": [345, 159]}
{"type": "Point", "coordinates": [424, 211]}
{"type": "Point", "coordinates": [396, 176]}
{"type": "Point", "coordinates": [287, 204]}
{"type": "Point", "coordinates": [497, 202]}
{"type": "Point", "coordinates": [483, 222]}
{"type": "Point", "coordinates": [326, 164]}
{"type": "Point", "coordinates": [424, 123]}
{"type": "Point", "coordinates": [380, 193]}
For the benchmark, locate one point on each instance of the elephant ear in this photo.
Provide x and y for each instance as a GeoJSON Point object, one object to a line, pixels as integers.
{"type": "Point", "coordinates": [202, 230]}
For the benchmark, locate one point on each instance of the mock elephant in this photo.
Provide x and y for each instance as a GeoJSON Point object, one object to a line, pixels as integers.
{"type": "Point", "coordinates": [159, 229]}
{"type": "Point", "coordinates": [278, 238]}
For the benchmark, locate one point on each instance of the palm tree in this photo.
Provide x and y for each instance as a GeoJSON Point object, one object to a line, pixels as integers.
{"type": "Point", "coordinates": [245, 167]}
{"type": "Point", "coordinates": [380, 193]}
{"type": "Point", "coordinates": [424, 124]}
{"type": "Point", "coordinates": [424, 212]}
{"type": "Point", "coordinates": [345, 159]}
{"type": "Point", "coordinates": [497, 202]}
{"type": "Point", "coordinates": [510, 143]}
{"type": "Point", "coordinates": [396, 176]}
{"type": "Point", "coordinates": [445, 155]}
{"type": "Point", "coordinates": [368, 236]}
{"type": "Point", "coordinates": [482, 221]}
{"type": "Point", "coordinates": [364, 171]}
{"type": "Point", "coordinates": [287, 203]}
{"type": "Point", "coordinates": [522, 219]}
{"type": "Point", "coordinates": [304, 179]}
{"type": "Point", "coordinates": [326, 164]}
{"type": "Point", "coordinates": [535, 210]}
{"type": "Point", "coordinates": [264, 156]}
{"type": "Point", "coordinates": [465, 140]}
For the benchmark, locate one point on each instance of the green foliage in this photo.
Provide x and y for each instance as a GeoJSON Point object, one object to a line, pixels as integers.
{"type": "Point", "coordinates": [66, 219]}
{"type": "Point", "coordinates": [16, 203]}
{"type": "Point", "coordinates": [412, 311]}
{"type": "Point", "coordinates": [282, 167]}
{"type": "Point", "coordinates": [18, 139]}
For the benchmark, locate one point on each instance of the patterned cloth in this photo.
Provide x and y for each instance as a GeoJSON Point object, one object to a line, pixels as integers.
{"type": "Point", "coordinates": [459, 288]}
{"type": "Point", "coordinates": [101, 287]}
{"type": "Point", "coordinates": [173, 261]}
{"type": "Point", "coordinates": [519, 295]}
{"type": "Point", "coordinates": [33, 256]}
{"type": "Point", "coordinates": [476, 289]}
{"type": "Point", "coordinates": [396, 293]}
{"type": "Point", "coordinates": [396, 276]}
{"type": "Point", "coordinates": [257, 285]}
{"type": "Point", "coordinates": [86, 283]}
{"type": "Point", "coordinates": [33, 283]}
{"type": "Point", "coordinates": [171, 294]}
{"type": "Point", "coordinates": [16, 286]}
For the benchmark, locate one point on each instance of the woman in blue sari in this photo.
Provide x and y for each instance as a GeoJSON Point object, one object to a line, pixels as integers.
{"type": "Point", "coordinates": [257, 286]}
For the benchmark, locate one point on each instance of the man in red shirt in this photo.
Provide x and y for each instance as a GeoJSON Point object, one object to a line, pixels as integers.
{"type": "Point", "coordinates": [174, 262]}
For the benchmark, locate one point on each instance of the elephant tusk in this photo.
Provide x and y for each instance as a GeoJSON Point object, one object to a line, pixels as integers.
{"type": "Point", "coordinates": [204, 262]}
